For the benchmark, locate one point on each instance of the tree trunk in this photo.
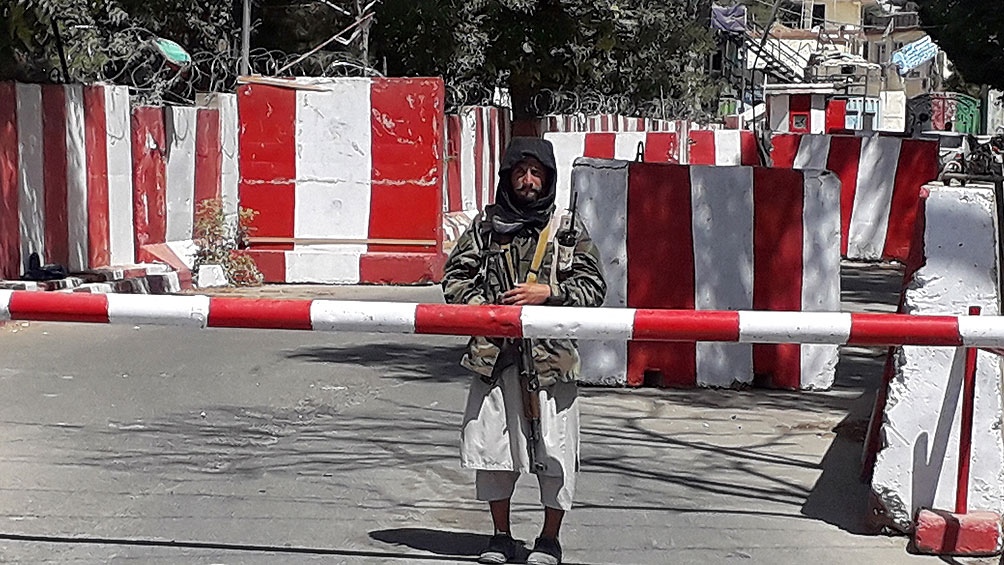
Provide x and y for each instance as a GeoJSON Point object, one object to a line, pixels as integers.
{"type": "Point", "coordinates": [524, 120]}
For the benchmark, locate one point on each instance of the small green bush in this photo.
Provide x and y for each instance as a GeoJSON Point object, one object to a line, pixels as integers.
{"type": "Point", "coordinates": [223, 242]}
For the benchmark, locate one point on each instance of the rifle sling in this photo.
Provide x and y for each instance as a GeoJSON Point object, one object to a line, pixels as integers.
{"type": "Point", "coordinates": [538, 254]}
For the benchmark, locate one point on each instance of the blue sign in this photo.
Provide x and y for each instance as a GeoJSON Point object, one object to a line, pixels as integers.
{"type": "Point", "coordinates": [913, 55]}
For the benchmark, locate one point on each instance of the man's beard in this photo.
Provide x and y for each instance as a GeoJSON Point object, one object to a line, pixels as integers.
{"type": "Point", "coordinates": [527, 196]}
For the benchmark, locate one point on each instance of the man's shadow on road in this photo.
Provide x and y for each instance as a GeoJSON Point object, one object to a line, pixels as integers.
{"type": "Point", "coordinates": [458, 546]}
{"type": "Point", "coordinates": [441, 542]}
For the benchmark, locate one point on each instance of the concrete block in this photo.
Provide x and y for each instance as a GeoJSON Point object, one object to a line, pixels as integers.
{"type": "Point", "coordinates": [95, 288]}
{"type": "Point", "coordinates": [131, 286]}
{"type": "Point", "coordinates": [974, 534]}
{"type": "Point", "coordinates": [61, 284]}
{"type": "Point", "coordinates": [166, 283]}
{"type": "Point", "coordinates": [155, 268]}
{"type": "Point", "coordinates": [917, 460]}
{"type": "Point", "coordinates": [20, 285]}
{"type": "Point", "coordinates": [211, 276]}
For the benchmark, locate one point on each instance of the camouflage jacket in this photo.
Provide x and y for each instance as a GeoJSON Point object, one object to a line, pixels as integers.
{"type": "Point", "coordinates": [473, 276]}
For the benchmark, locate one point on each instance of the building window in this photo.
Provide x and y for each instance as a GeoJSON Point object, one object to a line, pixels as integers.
{"type": "Point", "coordinates": [880, 53]}
{"type": "Point", "coordinates": [818, 15]}
{"type": "Point", "coordinates": [790, 14]}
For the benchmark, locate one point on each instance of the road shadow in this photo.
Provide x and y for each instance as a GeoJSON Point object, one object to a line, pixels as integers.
{"type": "Point", "coordinates": [406, 362]}
{"type": "Point", "coordinates": [462, 546]}
{"type": "Point", "coordinates": [440, 542]}
{"type": "Point", "coordinates": [840, 497]}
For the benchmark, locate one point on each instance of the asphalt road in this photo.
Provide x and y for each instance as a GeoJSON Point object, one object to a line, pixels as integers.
{"type": "Point", "coordinates": [124, 444]}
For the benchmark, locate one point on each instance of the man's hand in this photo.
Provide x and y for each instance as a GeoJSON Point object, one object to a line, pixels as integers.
{"type": "Point", "coordinates": [525, 294]}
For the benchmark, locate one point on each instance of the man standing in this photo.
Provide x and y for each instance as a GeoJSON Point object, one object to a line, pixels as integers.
{"type": "Point", "coordinates": [521, 418]}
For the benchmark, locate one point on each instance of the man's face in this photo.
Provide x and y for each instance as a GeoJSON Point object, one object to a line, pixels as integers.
{"type": "Point", "coordinates": [528, 177]}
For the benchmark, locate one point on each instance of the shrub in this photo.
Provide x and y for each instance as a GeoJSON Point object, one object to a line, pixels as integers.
{"type": "Point", "coordinates": [224, 241]}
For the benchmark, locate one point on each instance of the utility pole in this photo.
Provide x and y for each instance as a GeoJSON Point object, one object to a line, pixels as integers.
{"type": "Point", "coordinates": [246, 40]}
{"type": "Point", "coordinates": [364, 35]}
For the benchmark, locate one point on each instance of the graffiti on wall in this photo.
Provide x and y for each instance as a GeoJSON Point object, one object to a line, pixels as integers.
{"type": "Point", "coordinates": [943, 111]}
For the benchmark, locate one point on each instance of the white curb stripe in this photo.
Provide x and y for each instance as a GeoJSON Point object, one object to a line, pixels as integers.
{"type": "Point", "coordinates": [981, 331]}
{"type": "Point", "coordinates": [166, 310]}
{"type": "Point", "coordinates": [577, 323]}
{"type": "Point", "coordinates": [359, 316]}
{"type": "Point", "coordinates": [5, 304]}
{"type": "Point", "coordinates": [794, 327]}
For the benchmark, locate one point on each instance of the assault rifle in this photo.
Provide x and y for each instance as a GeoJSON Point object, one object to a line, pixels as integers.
{"type": "Point", "coordinates": [528, 378]}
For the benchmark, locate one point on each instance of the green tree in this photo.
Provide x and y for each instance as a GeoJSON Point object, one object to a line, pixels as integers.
{"type": "Point", "coordinates": [971, 33]}
{"type": "Point", "coordinates": [639, 56]}
{"type": "Point", "coordinates": [106, 39]}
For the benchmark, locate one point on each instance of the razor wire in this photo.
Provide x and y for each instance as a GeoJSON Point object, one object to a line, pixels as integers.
{"type": "Point", "coordinates": [550, 102]}
{"type": "Point", "coordinates": [136, 62]}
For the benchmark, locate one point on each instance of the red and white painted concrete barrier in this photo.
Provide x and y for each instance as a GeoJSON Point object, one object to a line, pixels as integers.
{"type": "Point", "coordinates": [703, 147]}
{"type": "Point", "coordinates": [685, 326]}
{"type": "Point", "coordinates": [917, 461]}
{"type": "Point", "coordinates": [971, 534]}
{"type": "Point", "coordinates": [806, 113]}
{"type": "Point", "coordinates": [712, 238]}
{"type": "Point", "coordinates": [65, 177]}
{"type": "Point", "coordinates": [347, 177]}
{"type": "Point", "coordinates": [570, 123]}
{"type": "Point", "coordinates": [880, 179]}
{"type": "Point", "coordinates": [476, 138]}
{"type": "Point", "coordinates": [181, 156]}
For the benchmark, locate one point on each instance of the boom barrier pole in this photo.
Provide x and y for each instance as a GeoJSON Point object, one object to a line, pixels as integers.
{"type": "Point", "coordinates": [836, 328]}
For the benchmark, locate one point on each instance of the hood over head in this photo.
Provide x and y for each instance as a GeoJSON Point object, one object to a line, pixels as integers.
{"type": "Point", "coordinates": [509, 215]}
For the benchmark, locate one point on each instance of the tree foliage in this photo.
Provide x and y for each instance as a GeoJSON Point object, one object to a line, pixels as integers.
{"type": "Point", "coordinates": [971, 33]}
{"type": "Point", "coordinates": [643, 57]}
{"type": "Point", "coordinates": [638, 55]}
{"type": "Point", "coordinates": [100, 37]}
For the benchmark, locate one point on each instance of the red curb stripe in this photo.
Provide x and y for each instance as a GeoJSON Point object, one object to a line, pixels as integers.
{"type": "Point", "coordinates": [59, 307]}
{"type": "Point", "coordinates": [778, 209]}
{"type": "Point", "coordinates": [844, 159]}
{"type": "Point", "coordinates": [599, 145]}
{"type": "Point", "coordinates": [96, 141]}
{"type": "Point", "coordinates": [57, 237]}
{"type": "Point", "coordinates": [686, 325]}
{"type": "Point", "coordinates": [702, 147]}
{"type": "Point", "coordinates": [259, 313]}
{"type": "Point", "coordinates": [10, 236]}
{"type": "Point", "coordinates": [460, 319]}
{"type": "Point", "coordinates": [208, 156]}
{"type": "Point", "coordinates": [917, 165]}
{"type": "Point", "coordinates": [878, 329]}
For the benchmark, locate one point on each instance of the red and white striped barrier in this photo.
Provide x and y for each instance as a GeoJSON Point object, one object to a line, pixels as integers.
{"type": "Point", "coordinates": [805, 113]}
{"type": "Point", "coordinates": [65, 178]}
{"type": "Point", "coordinates": [917, 458]}
{"type": "Point", "coordinates": [475, 141]}
{"type": "Point", "coordinates": [834, 328]}
{"type": "Point", "coordinates": [712, 238]}
{"type": "Point", "coordinates": [703, 147]}
{"type": "Point", "coordinates": [571, 123]}
{"type": "Point", "coordinates": [347, 176]}
{"type": "Point", "coordinates": [880, 179]}
{"type": "Point", "coordinates": [181, 156]}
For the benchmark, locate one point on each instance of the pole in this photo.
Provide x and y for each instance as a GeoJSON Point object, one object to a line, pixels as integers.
{"type": "Point", "coordinates": [364, 37]}
{"type": "Point", "coordinates": [999, 198]}
{"type": "Point", "coordinates": [966, 427]}
{"type": "Point", "coordinates": [62, 52]}
{"type": "Point", "coordinates": [246, 40]}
